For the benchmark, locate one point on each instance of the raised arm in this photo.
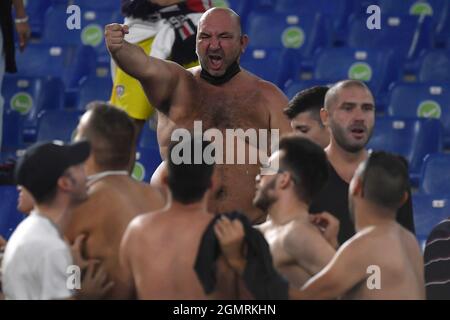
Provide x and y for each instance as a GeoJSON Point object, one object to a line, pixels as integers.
{"type": "Point", "coordinates": [160, 79]}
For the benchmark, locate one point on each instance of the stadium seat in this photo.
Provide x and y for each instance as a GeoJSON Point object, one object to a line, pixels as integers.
{"type": "Point", "coordinates": [413, 7]}
{"type": "Point", "coordinates": [422, 100]}
{"type": "Point", "coordinates": [336, 10]}
{"type": "Point", "coordinates": [70, 63]}
{"type": "Point", "coordinates": [12, 131]}
{"type": "Point", "coordinates": [29, 96]}
{"type": "Point", "coordinates": [36, 12]}
{"type": "Point", "coordinates": [406, 35]}
{"type": "Point", "coordinates": [428, 210]}
{"type": "Point", "coordinates": [242, 8]}
{"type": "Point", "coordinates": [94, 88]}
{"type": "Point", "coordinates": [258, 60]}
{"type": "Point", "coordinates": [436, 174]}
{"type": "Point", "coordinates": [147, 160]}
{"type": "Point", "coordinates": [9, 216]}
{"type": "Point", "coordinates": [90, 34]}
{"type": "Point", "coordinates": [412, 138]}
{"type": "Point", "coordinates": [148, 137]}
{"type": "Point", "coordinates": [58, 125]}
{"type": "Point", "coordinates": [375, 67]}
{"type": "Point", "coordinates": [302, 33]}
{"type": "Point", "coordinates": [147, 156]}
{"type": "Point", "coordinates": [434, 66]}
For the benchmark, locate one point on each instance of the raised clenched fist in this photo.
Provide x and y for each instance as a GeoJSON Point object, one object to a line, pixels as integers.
{"type": "Point", "coordinates": [114, 36]}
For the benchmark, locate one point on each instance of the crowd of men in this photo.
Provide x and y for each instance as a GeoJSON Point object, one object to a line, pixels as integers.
{"type": "Point", "coordinates": [322, 219]}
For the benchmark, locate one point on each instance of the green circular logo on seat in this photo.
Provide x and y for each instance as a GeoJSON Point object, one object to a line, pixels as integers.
{"type": "Point", "coordinates": [429, 109]}
{"type": "Point", "coordinates": [138, 171]}
{"type": "Point", "coordinates": [421, 8]}
{"type": "Point", "coordinates": [21, 102]}
{"type": "Point", "coordinates": [293, 37]}
{"type": "Point", "coordinates": [360, 71]}
{"type": "Point", "coordinates": [92, 35]}
{"type": "Point", "coordinates": [220, 4]}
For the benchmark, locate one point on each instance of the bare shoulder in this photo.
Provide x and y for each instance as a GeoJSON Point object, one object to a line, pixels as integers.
{"type": "Point", "coordinates": [270, 91]}
{"type": "Point", "coordinates": [298, 233]}
{"type": "Point", "coordinates": [362, 242]}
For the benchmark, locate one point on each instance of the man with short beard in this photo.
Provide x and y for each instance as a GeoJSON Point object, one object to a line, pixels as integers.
{"type": "Point", "coordinates": [298, 248]}
{"type": "Point", "coordinates": [349, 113]}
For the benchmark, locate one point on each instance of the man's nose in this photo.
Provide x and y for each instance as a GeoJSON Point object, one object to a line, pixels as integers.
{"type": "Point", "coordinates": [214, 43]}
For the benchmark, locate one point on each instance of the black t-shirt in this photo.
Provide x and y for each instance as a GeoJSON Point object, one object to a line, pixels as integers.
{"type": "Point", "coordinates": [334, 199]}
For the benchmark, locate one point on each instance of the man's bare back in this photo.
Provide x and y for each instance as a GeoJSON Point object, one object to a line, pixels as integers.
{"type": "Point", "coordinates": [159, 251]}
{"type": "Point", "coordinates": [113, 202]}
{"type": "Point", "coordinates": [397, 254]}
{"type": "Point", "coordinates": [379, 262]}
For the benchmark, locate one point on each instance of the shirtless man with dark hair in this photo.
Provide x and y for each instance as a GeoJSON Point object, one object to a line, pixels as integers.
{"type": "Point", "coordinates": [159, 248]}
{"type": "Point", "coordinates": [218, 92]}
{"type": "Point", "coordinates": [114, 197]}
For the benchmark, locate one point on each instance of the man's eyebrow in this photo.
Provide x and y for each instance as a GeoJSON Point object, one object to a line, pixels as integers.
{"type": "Point", "coordinates": [351, 104]}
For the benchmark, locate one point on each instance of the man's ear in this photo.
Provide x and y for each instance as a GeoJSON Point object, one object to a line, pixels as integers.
{"type": "Point", "coordinates": [285, 179]}
{"type": "Point", "coordinates": [244, 42]}
{"type": "Point", "coordinates": [404, 198]}
{"type": "Point", "coordinates": [324, 115]}
{"type": "Point", "coordinates": [64, 183]}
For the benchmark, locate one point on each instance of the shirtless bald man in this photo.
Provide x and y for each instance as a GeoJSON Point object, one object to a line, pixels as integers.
{"type": "Point", "coordinates": [114, 197]}
{"type": "Point", "coordinates": [383, 259]}
{"type": "Point", "coordinates": [298, 248]}
{"type": "Point", "coordinates": [159, 249]}
{"type": "Point", "coordinates": [218, 93]}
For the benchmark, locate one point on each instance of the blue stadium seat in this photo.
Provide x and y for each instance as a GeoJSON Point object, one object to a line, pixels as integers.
{"type": "Point", "coordinates": [241, 7]}
{"type": "Point", "coordinates": [94, 88]}
{"type": "Point", "coordinates": [90, 34]}
{"type": "Point", "coordinates": [70, 63]}
{"type": "Point", "coordinates": [58, 125]}
{"type": "Point", "coordinates": [338, 11]}
{"type": "Point", "coordinates": [397, 32]}
{"type": "Point", "coordinates": [422, 100]}
{"type": "Point", "coordinates": [36, 12]}
{"type": "Point", "coordinates": [29, 96]}
{"type": "Point", "coordinates": [428, 210]}
{"type": "Point", "coordinates": [148, 137]}
{"type": "Point", "coordinates": [302, 33]}
{"type": "Point", "coordinates": [436, 174]}
{"type": "Point", "coordinates": [413, 7]}
{"type": "Point", "coordinates": [375, 67]}
{"type": "Point", "coordinates": [434, 66]}
{"type": "Point", "coordinates": [413, 138]}
{"type": "Point", "coordinates": [9, 216]}
{"type": "Point", "coordinates": [12, 131]}
{"type": "Point", "coordinates": [271, 64]}
{"type": "Point", "coordinates": [147, 160]}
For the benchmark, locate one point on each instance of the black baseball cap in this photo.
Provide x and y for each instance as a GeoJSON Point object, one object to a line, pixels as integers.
{"type": "Point", "coordinates": [39, 169]}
